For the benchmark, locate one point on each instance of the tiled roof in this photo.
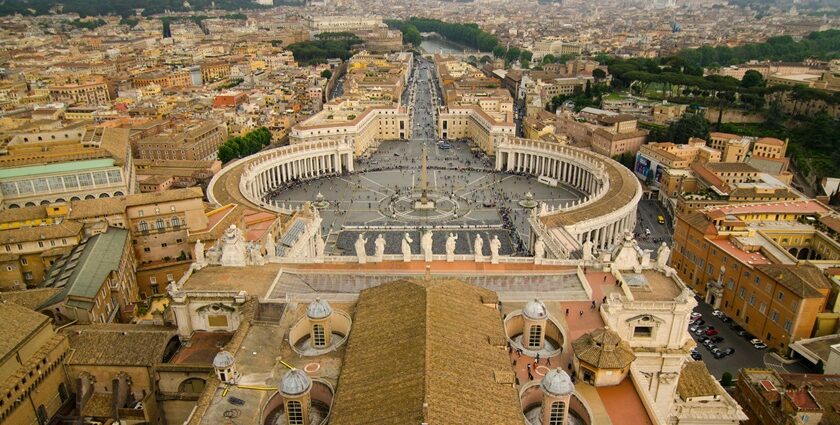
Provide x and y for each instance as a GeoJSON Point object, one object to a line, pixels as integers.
{"type": "Point", "coordinates": [803, 280]}
{"type": "Point", "coordinates": [18, 324]}
{"type": "Point", "coordinates": [604, 349]}
{"type": "Point", "coordinates": [696, 381]}
{"type": "Point", "coordinates": [425, 342]}
{"type": "Point", "coordinates": [118, 344]}
{"type": "Point", "coordinates": [65, 229]}
{"type": "Point", "coordinates": [29, 298]}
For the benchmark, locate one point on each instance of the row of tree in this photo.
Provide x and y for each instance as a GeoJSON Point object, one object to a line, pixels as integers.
{"type": "Point", "coordinates": [411, 35]}
{"type": "Point", "coordinates": [240, 147]}
{"type": "Point", "coordinates": [817, 45]}
{"type": "Point", "coordinates": [327, 45]}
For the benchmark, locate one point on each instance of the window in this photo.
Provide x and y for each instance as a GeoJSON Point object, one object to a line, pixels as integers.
{"type": "Point", "coordinates": [155, 288]}
{"type": "Point", "coordinates": [147, 249]}
{"type": "Point", "coordinates": [140, 213]}
{"type": "Point", "coordinates": [752, 299]}
{"type": "Point", "coordinates": [757, 280]}
{"type": "Point", "coordinates": [24, 261]}
{"type": "Point", "coordinates": [152, 280]}
{"type": "Point", "coordinates": [730, 283]}
{"type": "Point", "coordinates": [8, 248]}
{"type": "Point", "coordinates": [319, 339]}
{"type": "Point", "coordinates": [774, 316]}
{"type": "Point", "coordinates": [169, 277]}
{"type": "Point", "coordinates": [762, 308]}
{"type": "Point", "coordinates": [534, 336]}
{"type": "Point", "coordinates": [294, 412]}
{"type": "Point", "coordinates": [788, 325]}
{"type": "Point", "coordinates": [794, 305]}
{"type": "Point", "coordinates": [781, 296]}
{"type": "Point", "coordinates": [27, 276]}
{"type": "Point", "coordinates": [159, 224]}
{"type": "Point", "coordinates": [642, 331]}
{"type": "Point", "coordinates": [176, 221]}
{"type": "Point", "coordinates": [40, 244]}
{"type": "Point", "coordinates": [741, 293]}
{"type": "Point", "coordinates": [172, 208]}
{"type": "Point", "coordinates": [143, 226]}
{"type": "Point", "coordinates": [558, 408]}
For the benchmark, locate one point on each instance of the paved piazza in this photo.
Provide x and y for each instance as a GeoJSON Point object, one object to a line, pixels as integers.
{"type": "Point", "coordinates": [379, 196]}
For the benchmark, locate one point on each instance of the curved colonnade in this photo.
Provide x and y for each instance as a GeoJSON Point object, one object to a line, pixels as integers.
{"type": "Point", "coordinates": [260, 173]}
{"type": "Point", "coordinates": [611, 191]}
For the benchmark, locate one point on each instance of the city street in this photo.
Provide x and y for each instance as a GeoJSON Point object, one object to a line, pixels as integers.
{"type": "Point", "coordinates": [647, 214]}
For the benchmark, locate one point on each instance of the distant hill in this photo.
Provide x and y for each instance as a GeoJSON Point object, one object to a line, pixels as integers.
{"type": "Point", "coordinates": [125, 8]}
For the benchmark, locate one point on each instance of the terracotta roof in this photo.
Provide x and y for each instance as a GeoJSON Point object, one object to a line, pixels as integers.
{"type": "Point", "coordinates": [118, 344]}
{"type": "Point", "coordinates": [696, 381]}
{"type": "Point", "coordinates": [65, 229]}
{"type": "Point", "coordinates": [604, 349]}
{"type": "Point", "coordinates": [770, 141]}
{"type": "Point", "coordinates": [117, 205]}
{"type": "Point", "coordinates": [22, 214]}
{"type": "Point", "coordinates": [29, 298]}
{"type": "Point", "coordinates": [425, 342]}
{"type": "Point", "coordinates": [17, 326]}
{"type": "Point", "coordinates": [730, 167]}
{"type": "Point", "coordinates": [803, 280]}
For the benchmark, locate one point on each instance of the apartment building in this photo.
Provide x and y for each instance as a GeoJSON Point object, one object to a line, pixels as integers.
{"type": "Point", "coordinates": [733, 148]}
{"type": "Point", "coordinates": [616, 135]}
{"type": "Point", "coordinates": [351, 121]}
{"type": "Point", "coordinates": [772, 398]}
{"type": "Point", "coordinates": [92, 91]}
{"type": "Point", "coordinates": [96, 281]}
{"type": "Point", "coordinates": [748, 261]}
{"type": "Point", "coordinates": [33, 383]}
{"type": "Point", "coordinates": [194, 141]}
{"type": "Point", "coordinates": [32, 239]}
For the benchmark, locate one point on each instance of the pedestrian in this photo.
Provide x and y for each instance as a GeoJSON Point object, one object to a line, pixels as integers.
{"type": "Point", "coordinates": [537, 359]}
{"type": "Point", "coordinates": [530, 376]}
{"type": "Point", "coordinates": [514, 362]}
{"type": "Point", "coordinates": [529, 367]}
{"type": "Point", "coordinates": [567, 312]}
{"type": "Point", "coordinates": [605, 278]}
{"type": "Point", "coordinates": [548, 361]}
{"type": "Point", "coordinates": [580, 314]}
{"type": "Point", "coordinates": [593, 304]}
{"type": "Point", "coordinates": [604, 299]}
{"type": "Point", "coordinates": [570, 366]}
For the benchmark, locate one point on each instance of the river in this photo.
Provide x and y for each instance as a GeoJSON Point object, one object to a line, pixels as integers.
{"type": "Point", "coordinates": [440, 45]}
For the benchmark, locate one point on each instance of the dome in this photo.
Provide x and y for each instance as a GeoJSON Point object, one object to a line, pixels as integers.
{"type": "Point", "coordinates": [223, 360]}
{"type": "Point", "coordinates": [295, 382]}
{"type": "Point", "coordinates": [318, 309]}
{"type": "Point", "coordinates": [535, 310]}
{"type": "Point", "coordinates": [557, 382]}
{"type": "Point", "coordinates": [604, 349]}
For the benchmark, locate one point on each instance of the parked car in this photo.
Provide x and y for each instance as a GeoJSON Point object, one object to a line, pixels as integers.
{"type": "Point", "coordinates": [703, 339]}
{"type": "Point", "coordinates": [708, 343]}
{"type": "Point", "coordinates": [693, 328]}
{"type": "Point", "coordinates": [729, 351]}
{"type": "Point", "coordinates": [698, 322]}
{"type": "Point", "coordinates": [719, 354]}
{"type": "Point", "coordinates": [696, 355]}
{"type": "Point", "coordinates": [760, 346]}
{"type": "Point", "coordinates": [717, 338]}
{"type": "Point", "coordinates": [725, 319]}
{"type": "Point", "coordinates": [718, 313]}
{"type": "Point", "coordinates": [711, 332]}
{"type": "Point", "coordinates": [696, 315]}
{"type": "Point", "coordinates": [748, 336]}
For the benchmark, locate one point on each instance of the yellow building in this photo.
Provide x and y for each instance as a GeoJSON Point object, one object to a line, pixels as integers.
{"type": "Point", "coordinates": [33, 384]}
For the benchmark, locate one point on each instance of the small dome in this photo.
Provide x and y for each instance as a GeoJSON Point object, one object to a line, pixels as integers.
{"type": "Point", "coordinates": [535, 310]}
{"type": "Point", "coordinates": [223, 360]}
{"type": "Point", "coordinates": [318, 309]}
{"type": "Point", "coordinates": [557, 382]}
{"type": "Point", "coordinates": [295, 382]}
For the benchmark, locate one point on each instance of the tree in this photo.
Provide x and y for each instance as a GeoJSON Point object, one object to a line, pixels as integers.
{"type": "Point", "coordinates": [499, 51]}
{"type": "Point", "coordinates": [526, 55]}
{"type": "Point", "coordinates": [326, 74]}
{"type": "Point", "coordinates": [752, 78]}
{"type": "Point", "coordinates": [549, 58]}
{"type": "Point", "coordinates": [524, 63]}
{"type": "Point", "coordinates": [774, 118]}
{"type": "Point", "coordinates": [513, 54]}
{"type": "Point", "coordinates": [690, 125]}
{"type": "Point", "coordinates": [599, 74]}
{"type": "Point", "coordinates": [226, 153]}
{"type": "Point", "coordinates": [726, 379]}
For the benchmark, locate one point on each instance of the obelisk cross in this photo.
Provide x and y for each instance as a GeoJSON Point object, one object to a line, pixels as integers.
{"type": "Point", "coordinates": [424, 181]}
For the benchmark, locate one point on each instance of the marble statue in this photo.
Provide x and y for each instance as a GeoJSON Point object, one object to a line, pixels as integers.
{"type": "Point", "coordinates": [587, 250]}
{"type": "Point", "coordinates": [539, 250]}
{"type": "Point", "coordinates": [319, 247]}
{"type": "Point", "coordinates": [198, 254]}
{"type": "Point", "coordinates": [450, 247]}
{"type": "Point", "coordinates": [214, 256]}
{"type": "Point", "coordinates": [406, 247]}
{"type": "Point", "coordinates": [426, 245]}
{"type": "Point", "coordinates": [254, 253]}
{"type": "Point", "coordinates": [360, 248]}
{"type": "Point", "coordinates": [495, 244]}
{"type": "Point", "coordinates": [662, 255]}
{"type": "Point", "coordinates": [478, 248]}
{"type": "Point", "coordinates": [233, 248]}
{"type": "Point", "coordinates": [270, 246]}
{"type": "Point", "coordinates": [380, 248]}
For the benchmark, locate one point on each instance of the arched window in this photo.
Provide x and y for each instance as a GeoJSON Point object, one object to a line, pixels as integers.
{"type": "Point", "coordinates": [556, 415]}
{"type": "Point", "coordinates": [143, 226]}
{"type": "Point", "coordinates": [192, 386]}
{"type": "Point", "coordinates": [159, 224]}
{"type": "Point", "coordinates": [294, 412]}
{"type": "Point", "coordinates": [318, 336]}
{"type": "Point", "coordinates": [534, 336]}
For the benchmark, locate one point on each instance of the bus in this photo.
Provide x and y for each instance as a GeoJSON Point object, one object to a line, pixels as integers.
{"type": "Point", "coordinates": [547, 181]}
